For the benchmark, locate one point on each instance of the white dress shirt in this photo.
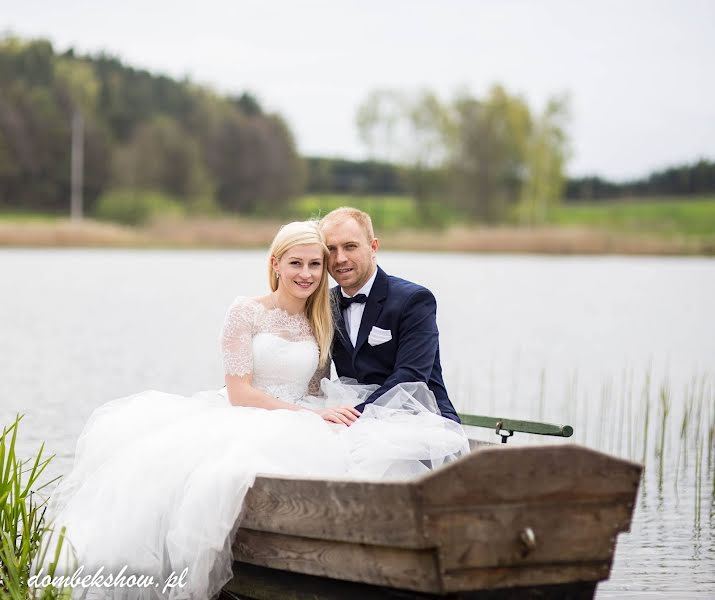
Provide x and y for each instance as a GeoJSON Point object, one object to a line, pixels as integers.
{"type": "Point", "coordinates": [353, 313]}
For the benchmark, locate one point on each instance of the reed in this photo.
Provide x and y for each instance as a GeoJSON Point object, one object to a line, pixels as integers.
{"type": "Point", "coordinates": [683, 439]}
{"type": "Point", "coordinates": [673, 434]}
{"type": "Point", "coordinates": [24, 534]}
{"type": "Point", "coordinates": [631, 424]}
{"type": "Point", "coordinates": [646, 412]}
{"type": "Point", "coordinates": [698, 480]}
{"type": "Point", "coordinates": [664, 414]}
{"type": "Point", "coordinates": [542, 392]}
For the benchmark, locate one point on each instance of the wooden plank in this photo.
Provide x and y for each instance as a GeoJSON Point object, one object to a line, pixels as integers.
{"type": "Point", "coordinates": [528, 576]}
{"type": "Point", "coordinates": [376, 565]}
{"type": "Point", "coordinates": [351, 511]}
{"type": "Point", "coordinates": [259, 583]}
{"type": "Point", "coordinates": [537, 427]}
{"type": "Point", "coordinates": [556, 473]}
{"type": "Point", "coordinates": [490, 536]}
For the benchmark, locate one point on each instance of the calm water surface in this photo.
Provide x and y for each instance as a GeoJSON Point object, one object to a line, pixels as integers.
{"type": "Point", "coordinates": [605, 344]}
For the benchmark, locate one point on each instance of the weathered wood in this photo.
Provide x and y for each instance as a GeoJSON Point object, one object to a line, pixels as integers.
{"type": "Point", "coordinates": [376, 565]}
{"type": "Point", "coordinates": [456, 530]}
{"type": "Point", "coordinates": [491, 536]}
{"type": "Point", "coordinates": [531, 576]}
{"type": "Point", "coordinates": [260, 583]}
{"type": "Point", "coordinates": [533, 474]}
{"type": "Point", "coordinates": [352, 511]}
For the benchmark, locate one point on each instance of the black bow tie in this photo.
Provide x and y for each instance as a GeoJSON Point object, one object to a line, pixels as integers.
{"type": "Point", "coordinates": [345, 302]}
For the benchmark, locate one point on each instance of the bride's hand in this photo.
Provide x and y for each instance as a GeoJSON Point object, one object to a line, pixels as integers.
{"type": "Point", "coordinates": [345, 415]}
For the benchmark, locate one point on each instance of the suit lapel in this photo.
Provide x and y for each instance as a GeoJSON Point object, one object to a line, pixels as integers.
{"type": "Point", "coordinates": [373, 308]}
{"type": "Point", "coordinates": [340, 321]}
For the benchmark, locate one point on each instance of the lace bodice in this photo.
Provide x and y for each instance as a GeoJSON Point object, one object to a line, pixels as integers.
{"type": "Point", "coordinates": [278, 349]}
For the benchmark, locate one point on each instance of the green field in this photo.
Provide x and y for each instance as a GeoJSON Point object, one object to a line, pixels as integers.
{"type": "Point", "coordinates": [693, 217]}
{"type": "Point", "coordinates": [27, 217]}
{"type": "Point", "coordinates": [387, 212]}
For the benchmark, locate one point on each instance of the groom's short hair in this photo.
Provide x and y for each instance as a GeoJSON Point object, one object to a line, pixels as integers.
{"type": "Point", "coordinates": [348, 212]}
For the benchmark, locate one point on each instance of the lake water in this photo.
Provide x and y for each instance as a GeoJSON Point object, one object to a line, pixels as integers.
{"type": "Point", "coordinates": [606, 344]}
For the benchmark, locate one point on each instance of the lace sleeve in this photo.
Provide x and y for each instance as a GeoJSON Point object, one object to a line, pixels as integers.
{"type": "Point", "coordinates": [237, 336]}
{"type": "Point", "coordinates": [320, 373]}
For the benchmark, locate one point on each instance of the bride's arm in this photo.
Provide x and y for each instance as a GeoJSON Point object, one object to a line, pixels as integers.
{"type": "Point", "coordinates": [320, 374]}
{"type": "Point", "coordinates": [237, 349]}
{"type": "Point", "coordinates": [242, 393]}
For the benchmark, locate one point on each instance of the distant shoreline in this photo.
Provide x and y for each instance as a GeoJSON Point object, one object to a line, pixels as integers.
{"type": "Point", "coordinates": [234, 233]}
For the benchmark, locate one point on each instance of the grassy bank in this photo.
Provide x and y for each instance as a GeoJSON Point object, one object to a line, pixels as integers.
{"type": "Point", "coordinates": [692, 217]}
{"type": "Point", "coordinates": [635, 227]}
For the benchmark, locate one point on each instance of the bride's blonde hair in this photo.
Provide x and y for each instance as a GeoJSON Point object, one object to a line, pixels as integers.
{"type": "Point", "coordinates": [317, 307]}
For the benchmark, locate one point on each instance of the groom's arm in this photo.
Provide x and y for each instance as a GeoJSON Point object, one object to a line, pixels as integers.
{"type": "Point", "coordinates": [417, 346]}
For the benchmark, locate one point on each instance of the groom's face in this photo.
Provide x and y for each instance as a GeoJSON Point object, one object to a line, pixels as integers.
{"type": "Point", "coordinates": [352, 256]}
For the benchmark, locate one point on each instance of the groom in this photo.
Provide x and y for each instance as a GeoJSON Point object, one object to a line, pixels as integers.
{"type": "Point", "coordinates": [386, 332]}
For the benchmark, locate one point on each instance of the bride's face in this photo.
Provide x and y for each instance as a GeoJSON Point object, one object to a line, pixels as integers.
{"type": "Point", "coordinates": [301, 269]}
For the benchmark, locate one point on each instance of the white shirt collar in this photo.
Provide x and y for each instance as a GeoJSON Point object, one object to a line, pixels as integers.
{"type": "Point", "coordinates": [366, 288]}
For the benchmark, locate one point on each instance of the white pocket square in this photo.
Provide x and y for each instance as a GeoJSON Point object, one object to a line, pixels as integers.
{"type": "Point", "coordinates": [379, 336]}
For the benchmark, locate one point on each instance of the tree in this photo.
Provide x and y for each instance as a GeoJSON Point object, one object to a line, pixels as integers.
{"type": "Point", "coordinates": [483, 155]}
{"type": "Point", "coordinates": [171, 136]}
{"type": "Point", "coordinates": [487, 162]}
{"type": "Point", "coordinates": [161, 156]}
{"type": "Point", "coordinates": [412, 131]}
{"type": "Point", "coordinates": [546, 156]}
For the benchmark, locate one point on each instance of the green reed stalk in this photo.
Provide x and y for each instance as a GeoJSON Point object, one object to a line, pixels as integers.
{"type": "Point", "coordinates": [664, 412]}
{"type": "Point", "coordinates": [618, 445]}
{"type": "Point", "coordinates": [646, 412]}
{"type": "Point", "coordinates": [698, 480]}
{"type": "Point", "coordinates": [23, 531]}
{"type": "Point", "coordinates": [631, 424]}
{"type": "Point", "coordinates": [586, 430]}
{"type": "Point", "coordinates": [711, 434]}
{"type": "Point", "coordinates": [683, 443]}
{"type": "Point", "coordinates": [573, 393]}
{"type": "Point", "coordinates": [515, 381]}
{"type": "Point", "coordinates": [491, 387]}
{"type": "Point", "coordinates": [600, 443]}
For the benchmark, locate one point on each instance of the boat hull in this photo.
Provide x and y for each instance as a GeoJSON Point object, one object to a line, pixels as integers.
{"type": "Point", "coordinates": [511, 517]}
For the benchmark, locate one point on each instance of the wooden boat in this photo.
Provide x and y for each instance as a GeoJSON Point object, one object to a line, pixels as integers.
{"type": "Point", "coordinates": [503, 522]}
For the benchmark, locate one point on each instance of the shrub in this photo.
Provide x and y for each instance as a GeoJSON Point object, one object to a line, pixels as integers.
{"type": "Point", "coordinates": [136, 207]}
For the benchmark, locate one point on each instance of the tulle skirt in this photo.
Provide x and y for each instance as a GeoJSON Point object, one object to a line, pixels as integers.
{"type": "Point", "coordinates": [158, 481]}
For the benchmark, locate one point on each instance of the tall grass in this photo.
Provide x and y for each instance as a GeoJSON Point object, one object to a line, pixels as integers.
{"type": "Point", "coordinates": [672, 434]}
{"type": "Point", "coordinates": [25, 537]}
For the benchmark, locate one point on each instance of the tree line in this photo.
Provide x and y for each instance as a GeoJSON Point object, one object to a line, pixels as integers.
{"type": "Point", "coordinates": [693, 179]}
{"type": "Point", "coordinates": [491, 158]}
{"type": "Point", "coordinates": [337, 175]}
{"type": "Point", "coordinates": [142, 132]}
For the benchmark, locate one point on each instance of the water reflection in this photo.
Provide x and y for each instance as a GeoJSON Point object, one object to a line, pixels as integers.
{"type": "Point", "coordinates": [620, 348]}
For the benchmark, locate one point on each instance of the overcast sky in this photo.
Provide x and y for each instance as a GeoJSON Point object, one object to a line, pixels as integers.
{"type": "Point", "coordinates": [639, 73]}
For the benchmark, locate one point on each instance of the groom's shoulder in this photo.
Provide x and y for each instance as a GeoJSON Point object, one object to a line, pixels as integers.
{"type": "Point", "coordinates": [397, 286]}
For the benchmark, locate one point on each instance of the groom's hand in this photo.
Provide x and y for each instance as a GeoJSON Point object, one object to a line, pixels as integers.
{"type": "Point", "coordinates": [342, 415]}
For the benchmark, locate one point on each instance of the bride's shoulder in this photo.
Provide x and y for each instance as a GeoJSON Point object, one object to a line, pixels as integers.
{"type": "Point", "coordinates": [246, 307]}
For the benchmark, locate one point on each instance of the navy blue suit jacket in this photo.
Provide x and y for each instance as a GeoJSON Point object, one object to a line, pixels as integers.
{"type": "Point", "coordinates": [409, 311]}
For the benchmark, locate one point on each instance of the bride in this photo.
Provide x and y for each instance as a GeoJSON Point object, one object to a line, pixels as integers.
{"type": "Point", "coordinates": [158, 479]}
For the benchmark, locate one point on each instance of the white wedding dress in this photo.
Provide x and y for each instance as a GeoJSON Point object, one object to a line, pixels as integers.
{"type": "Point", "coordinates": [159, 479]}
